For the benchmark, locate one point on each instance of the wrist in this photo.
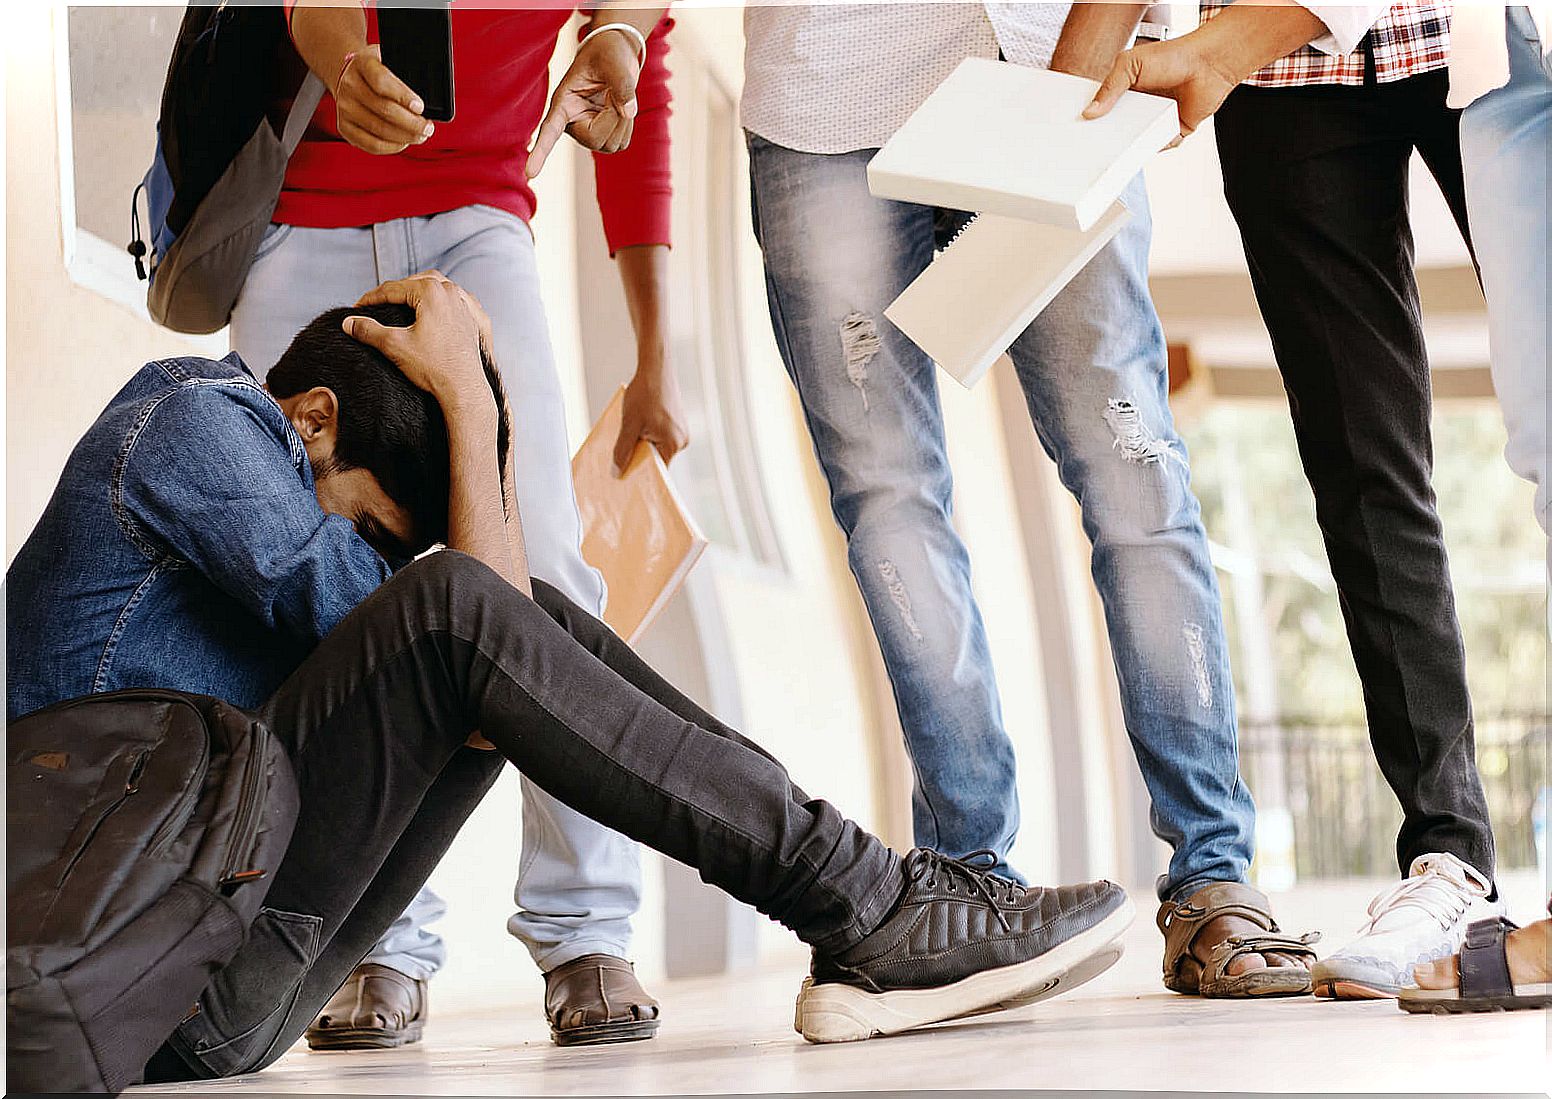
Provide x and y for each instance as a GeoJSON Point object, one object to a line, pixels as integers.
{"type": "Point", "coordinates": [1237, 48]}
{"type": "Point", "coordinates": [1209, 49]}
{"type": "Point", "coordinates": [610, 32]}
{"type": "Point", "coordinates": [343, 69]}
{"type": "Point", "coordinates": [651, 358]}
{"type": "Point", "coordinates": [467, 411]}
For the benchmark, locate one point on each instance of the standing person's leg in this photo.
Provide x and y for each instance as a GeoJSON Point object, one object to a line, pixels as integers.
{"type": "Point", "coordinates": [375, 723]}
{"type": "Point", "coordinates": [578, 882]}
{"type": "Point", "coordinates": [1317, 180]}
{"type": "Point", "coordinates": [835, 257]}
{"type": "Point", "coordinates": [1094, 372]}
{"type": "Point", "coordinates": [1505, 137]}
{"type": "Point", "coordinates": [298, 273]}
{"type": "Point", "coordinates": [1504, 140]}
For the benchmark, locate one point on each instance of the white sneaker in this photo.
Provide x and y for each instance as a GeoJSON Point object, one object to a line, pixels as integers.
{"type": "Point", "coordinates": [1419, 919]}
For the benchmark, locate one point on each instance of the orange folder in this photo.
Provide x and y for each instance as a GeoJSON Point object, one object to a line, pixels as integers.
{"type": "Point", "coordinates": [635, 528]}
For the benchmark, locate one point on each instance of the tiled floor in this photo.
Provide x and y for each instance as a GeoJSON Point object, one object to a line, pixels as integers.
{"type": "Point", "coordinates": [1122, 1032]}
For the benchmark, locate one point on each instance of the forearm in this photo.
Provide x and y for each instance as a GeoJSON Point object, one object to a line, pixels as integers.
{"type": "Point", "coordinates": [517, 545]}
{"type": "Point", "coordinates": [1092, 37]}
{"type": "Point", "coordinates": [644, 275]}
{"type": "Point", "coordinates": [325, 35]}
{"type": "Point", "coordinates": [1242, 39]}
{"type": "Point", "coordinates": [476, 520]}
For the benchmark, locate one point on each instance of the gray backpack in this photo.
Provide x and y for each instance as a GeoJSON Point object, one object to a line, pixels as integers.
{"type": "Point", "coordinates": [143, 828]}
{"type": "Point", "coordinates": [219, 162]}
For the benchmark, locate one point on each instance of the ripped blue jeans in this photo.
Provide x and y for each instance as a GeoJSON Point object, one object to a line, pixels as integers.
{"type": "Point", "coordinates": [1093, 370]}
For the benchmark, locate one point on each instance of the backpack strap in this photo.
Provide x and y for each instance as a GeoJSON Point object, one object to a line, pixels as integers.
{"type": "Point", "coordinates": [308, 96]}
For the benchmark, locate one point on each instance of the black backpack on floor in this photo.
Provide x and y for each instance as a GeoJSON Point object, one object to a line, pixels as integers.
{"type": "Point", "coordinates": [142, 830]}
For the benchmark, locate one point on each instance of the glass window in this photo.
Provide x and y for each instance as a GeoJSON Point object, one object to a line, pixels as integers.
{"type": "Point", "coordinates": [118, 60]}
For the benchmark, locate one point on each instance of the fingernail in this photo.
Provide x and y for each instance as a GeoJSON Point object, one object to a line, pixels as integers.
{"type": "Point", "coordinates": [417, 105]}
{"type": "Point", "coordinates": [427, 132]}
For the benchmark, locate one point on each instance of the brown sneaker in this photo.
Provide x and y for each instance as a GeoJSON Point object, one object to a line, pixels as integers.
{"type": "Point", "coordinates": [376, 1008]}
{"type": "Point", "coordinates": [596, 998]}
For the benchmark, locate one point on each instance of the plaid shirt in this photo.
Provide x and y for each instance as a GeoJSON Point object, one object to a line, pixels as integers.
{"type": "Point", "coordinates": [1412, 38]}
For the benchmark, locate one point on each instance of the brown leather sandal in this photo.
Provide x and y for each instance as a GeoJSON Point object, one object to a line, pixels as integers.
{"type": "Point", "coordinates": [596, 998]}
{"type": "Point", "coordinates": [1182, 922]}
{"type": "Point", "coordinates": [376, 1008]}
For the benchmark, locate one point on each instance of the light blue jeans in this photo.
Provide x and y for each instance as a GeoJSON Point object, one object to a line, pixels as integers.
{"type": "Point", "coordinates": [578, 882]}
{"type": "Point", "coordinates": [1505, 145]}
{"type": "Point", "coordinates": [1093, 370]}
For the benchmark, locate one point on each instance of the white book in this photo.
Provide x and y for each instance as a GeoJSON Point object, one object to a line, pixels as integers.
{"type": "Point", "coordinates": [972, 302]}
{"type": "Point", "coordinates": [1008, 139]}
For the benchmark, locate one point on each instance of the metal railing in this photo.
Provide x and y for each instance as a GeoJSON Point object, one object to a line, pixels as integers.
{"type": "Point", "coordinates": [1343, 813]}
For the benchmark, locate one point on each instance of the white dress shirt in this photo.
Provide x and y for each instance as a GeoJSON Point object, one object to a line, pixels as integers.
{"type": "Point", "coordinates": [834, 78]}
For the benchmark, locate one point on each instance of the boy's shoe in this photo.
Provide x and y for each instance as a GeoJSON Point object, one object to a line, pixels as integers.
{"type": "Point", "coordinates": [1420, 918]}
{"type": "Point", "coordinates": [962, 941]}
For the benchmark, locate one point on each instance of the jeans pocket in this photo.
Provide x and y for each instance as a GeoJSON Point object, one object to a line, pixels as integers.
{"type": "Point", "coordinates": [246, 1001]}
{"type": "Point", "coordinates": [274, 235]}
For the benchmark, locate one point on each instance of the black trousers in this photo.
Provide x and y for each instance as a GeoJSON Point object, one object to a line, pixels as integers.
{"type": "Point", "coordinates": [376, 720]}
{"type": "Point", "coordinates": [1316, 177]}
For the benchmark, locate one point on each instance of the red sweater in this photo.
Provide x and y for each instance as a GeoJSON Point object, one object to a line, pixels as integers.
{"type": "Point", "coordinates": [501, 77]}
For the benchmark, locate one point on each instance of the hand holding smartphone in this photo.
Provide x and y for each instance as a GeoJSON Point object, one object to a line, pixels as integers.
{"type": "Point", "coordinates": [417, 47]}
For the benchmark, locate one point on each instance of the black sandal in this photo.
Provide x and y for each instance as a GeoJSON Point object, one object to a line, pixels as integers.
{"type": "Point", "coordinates": [1485, 984]}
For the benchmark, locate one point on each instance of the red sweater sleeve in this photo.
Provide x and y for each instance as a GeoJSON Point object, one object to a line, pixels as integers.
{"type": "Point", "coordinates": [635, 187]}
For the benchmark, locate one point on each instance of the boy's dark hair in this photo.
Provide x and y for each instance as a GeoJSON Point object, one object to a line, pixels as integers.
{"type": "Point", "coordinates": [387, 426]}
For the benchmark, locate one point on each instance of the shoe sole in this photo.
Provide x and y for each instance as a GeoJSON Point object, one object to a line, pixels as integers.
{"type": "Point", "coordinates": [636, 1030]}
{"type": "Point", "coordinates": [1419, 1001]}
{"type": "Point", "coordinates": [1335, 988]}
{"type": "Point", "coordinates": [834, 1012]}
{"type": "Point", "coordinates": [348, 1038]}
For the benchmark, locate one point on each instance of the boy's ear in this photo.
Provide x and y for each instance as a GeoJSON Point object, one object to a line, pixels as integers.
{"type": "Point", "coordinates": [315, 414]}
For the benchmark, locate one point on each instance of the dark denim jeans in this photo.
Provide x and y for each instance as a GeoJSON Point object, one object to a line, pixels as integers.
{"type": "Point", "coordinates": [376, 721]}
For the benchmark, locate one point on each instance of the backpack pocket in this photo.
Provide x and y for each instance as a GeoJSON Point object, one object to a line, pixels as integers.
{"type": "Point", "coordinates": [245, 1004]}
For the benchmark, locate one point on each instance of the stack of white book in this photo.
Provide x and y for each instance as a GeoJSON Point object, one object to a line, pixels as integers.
{"type": "Point", "coordinates": [1010, 143]}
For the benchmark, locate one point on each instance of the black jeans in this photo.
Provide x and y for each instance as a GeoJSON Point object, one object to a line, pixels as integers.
{"type": "Point", "coordinates": [376, 720]}
{"type": "Point", "coordinates": [1316, 177]}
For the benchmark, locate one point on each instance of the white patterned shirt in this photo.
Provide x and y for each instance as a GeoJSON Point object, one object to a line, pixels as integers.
{"type": "Point", "coordinates": [834, 78]}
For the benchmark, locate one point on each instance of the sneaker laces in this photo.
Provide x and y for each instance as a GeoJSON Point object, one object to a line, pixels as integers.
{"type": "Point", "coordinates": [1438, 888]}
{"type": "Point", "coordinates": [976, 871]}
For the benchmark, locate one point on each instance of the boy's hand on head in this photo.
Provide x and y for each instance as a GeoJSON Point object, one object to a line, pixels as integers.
{"type": "Point", "coordinates": [440, 352]}
{"type": "Point", "coordinates": [390, 292]}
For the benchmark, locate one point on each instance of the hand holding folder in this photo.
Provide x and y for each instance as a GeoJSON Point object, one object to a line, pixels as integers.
{"type": "Point", "coordinates": [635, 528]}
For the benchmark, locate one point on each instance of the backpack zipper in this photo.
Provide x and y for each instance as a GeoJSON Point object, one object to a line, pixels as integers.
{"type": "Point", "coordinates": [245, 831]}
{"type": "Point", "coordinates": [131, 787]}
{"type": "Point", "coordinates": [170, 828]}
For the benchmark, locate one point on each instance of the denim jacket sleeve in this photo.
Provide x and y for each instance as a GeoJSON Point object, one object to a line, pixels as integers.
{"type": "Point", "coordinates": [211, 476]}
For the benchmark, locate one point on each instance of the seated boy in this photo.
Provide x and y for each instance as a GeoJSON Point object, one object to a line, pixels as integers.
{"type": "Point", "coordinates": [212, 536]}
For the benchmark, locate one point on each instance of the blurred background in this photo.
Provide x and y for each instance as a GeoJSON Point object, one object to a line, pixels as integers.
{"type": "Point", "coordinates": [770, 633]}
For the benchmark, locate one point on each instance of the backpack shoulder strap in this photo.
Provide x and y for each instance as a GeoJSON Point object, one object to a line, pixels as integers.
{"type": "Point", "coordinates": [308, 96]}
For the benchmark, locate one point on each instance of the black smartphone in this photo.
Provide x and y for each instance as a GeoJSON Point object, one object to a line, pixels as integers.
{"type": "Point", "coordinates": [417, 44]}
